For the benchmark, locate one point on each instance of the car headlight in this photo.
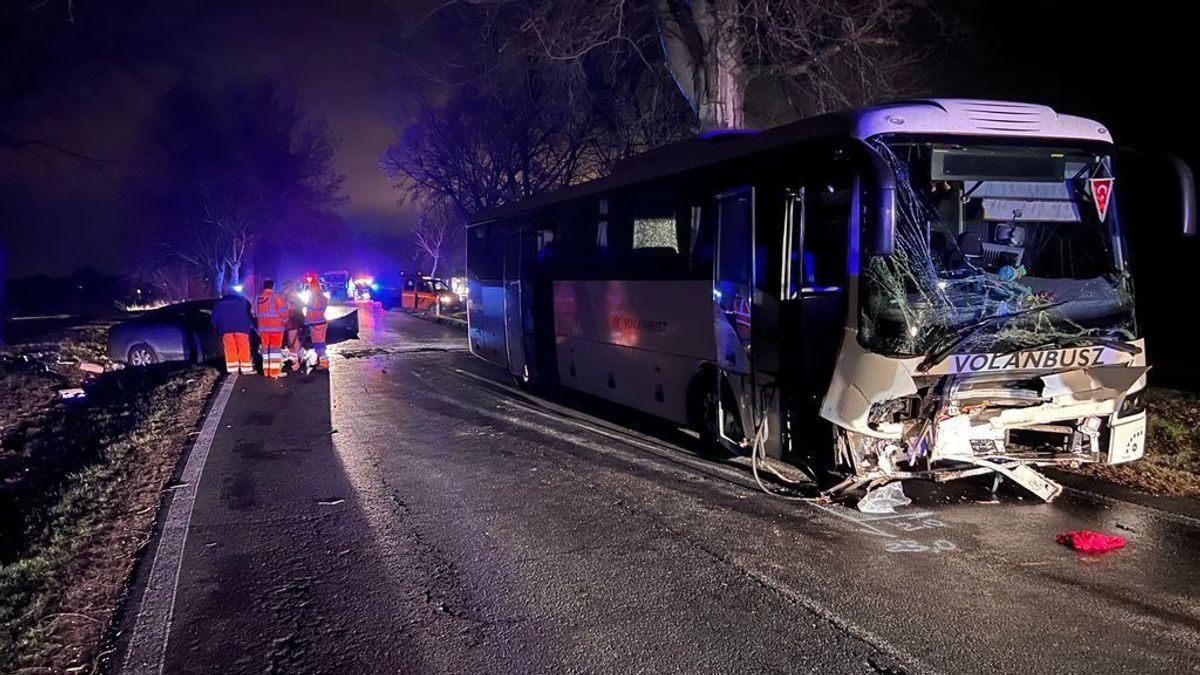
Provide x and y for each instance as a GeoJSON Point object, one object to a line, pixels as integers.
{"type": "Point", "coordinates": [1132, 404]}
{"type": "Point", "coordinates": [446, 299]}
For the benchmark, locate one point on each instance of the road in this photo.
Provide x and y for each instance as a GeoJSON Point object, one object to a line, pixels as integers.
{"type": "Point", "coordinates": [414, 513]}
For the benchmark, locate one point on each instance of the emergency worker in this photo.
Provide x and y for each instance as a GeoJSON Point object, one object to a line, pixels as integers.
{"type": "Point", "coordinates": [233, 322]}
{"type": "Point", "coordinates": [295, 321]}
{"type": "Point", "coordinates": [271, 310]}
{"type": "Point", "coordinates": [314, 319]}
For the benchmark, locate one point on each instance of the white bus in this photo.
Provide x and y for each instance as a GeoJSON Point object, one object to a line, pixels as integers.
{"type": "Point", "coordinates": [932, 289]}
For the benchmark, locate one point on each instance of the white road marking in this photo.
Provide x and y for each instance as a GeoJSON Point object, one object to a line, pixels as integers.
{"type": "Point", "coordinates": [147, 649]}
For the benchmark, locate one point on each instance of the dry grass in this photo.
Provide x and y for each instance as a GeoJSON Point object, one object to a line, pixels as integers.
{"type": "Point", "coordinates": [1171, 466]}
{"type": "Point", "coordinates": [83, 481]}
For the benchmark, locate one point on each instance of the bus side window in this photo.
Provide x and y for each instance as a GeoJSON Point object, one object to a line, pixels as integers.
{"type": "Point", "coordinates": [656, 234]}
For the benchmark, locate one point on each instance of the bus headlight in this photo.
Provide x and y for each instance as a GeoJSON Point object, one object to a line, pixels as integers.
{"type": "Point", "coordinates": [1132, 404]}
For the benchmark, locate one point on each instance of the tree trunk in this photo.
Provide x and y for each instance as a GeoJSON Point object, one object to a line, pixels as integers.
{"type": "Point", "coordinates": [218, 280]}
{"type": "Point", "coordinates": [433, 270]}
{"type": "Point", "coordinates": [723, 99]}
{"type": "Point", "coordinates": [704, 54]}
{"type": "Point", "coordinates": [235, 273]}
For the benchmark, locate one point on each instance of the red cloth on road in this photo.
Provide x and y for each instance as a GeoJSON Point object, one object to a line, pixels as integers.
{"type": "Point", "coordinates": [1086, 541]}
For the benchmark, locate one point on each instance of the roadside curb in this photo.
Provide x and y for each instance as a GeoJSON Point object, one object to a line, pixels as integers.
{"type": "Point", "coordinates": [444, 320]}
{"type": "Point", "coordinates": [1180, 506]}
{"type": "Point", "coordinates": [146, 649]}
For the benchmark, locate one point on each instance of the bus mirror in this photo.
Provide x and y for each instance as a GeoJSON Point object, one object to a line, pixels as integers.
{"type": "Point", "coordinates": [1187, 195]}
{"type": "Point", "coordinates": [879, 211]}
{"type": "Point", "coordinates": [883, 210]}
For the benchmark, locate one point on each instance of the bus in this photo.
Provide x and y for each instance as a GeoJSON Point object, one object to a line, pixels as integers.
{"type": "Point", "coordinates": [931, 289]}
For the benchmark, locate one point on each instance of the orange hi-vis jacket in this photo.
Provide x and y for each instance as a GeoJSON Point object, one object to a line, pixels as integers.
{"type": "Point", "coordinates": [271, 311]}
{"type": "Point", "coordinates": [314, 313]}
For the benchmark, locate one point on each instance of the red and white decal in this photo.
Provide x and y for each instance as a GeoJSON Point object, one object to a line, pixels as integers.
{"type": "Point", "coordinates": [1101, 194]}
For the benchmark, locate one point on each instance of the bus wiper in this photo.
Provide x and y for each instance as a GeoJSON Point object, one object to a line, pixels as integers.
{"type": "Point", "coordinates": [1086, 339]}
{"type": "Point", "coordinates": [965, 333]}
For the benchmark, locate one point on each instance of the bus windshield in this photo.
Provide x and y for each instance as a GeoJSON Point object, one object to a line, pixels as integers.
{"type": "Point", "coordinates": [998, 248]}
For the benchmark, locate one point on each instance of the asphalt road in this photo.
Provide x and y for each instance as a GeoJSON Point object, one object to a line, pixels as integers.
{"type": "Point", "coordinates": [413, 513]}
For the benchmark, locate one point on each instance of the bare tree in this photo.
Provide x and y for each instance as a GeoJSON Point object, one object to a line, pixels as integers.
{"type": "Point", "coordinates": [817, 55]}
{"type": "Point", "coordinates": [230, 165]}
{"type": "Point", "coordinates": [482, 150]}
{"type": "Point", "coordinates": [521, 107]}
{"type": "Point", "coordinates": [207, 251]}
{"type": "Point", "coordinates": [437, 231]}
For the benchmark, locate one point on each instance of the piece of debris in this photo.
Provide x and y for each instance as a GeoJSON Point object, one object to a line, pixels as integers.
{"type": "Point", "coordinates": [884, 499]}
{"type": "Point", "coordinates": [89, 367]}
{"type": "Point", "coordinates": [1087, 541]}
{"type": "Point", "coordinates": [330, 501]}
{"type": "Point", "coordinates": [72, 393]}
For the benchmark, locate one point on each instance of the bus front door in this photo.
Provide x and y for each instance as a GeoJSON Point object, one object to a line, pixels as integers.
{"type": "Point", "coordinates": [733, 288]}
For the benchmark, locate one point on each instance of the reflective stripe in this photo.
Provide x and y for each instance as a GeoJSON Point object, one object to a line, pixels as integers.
{"type": "Point", "coordinates": [315, 311]}
{"type": "Point", "coordinates": [271, 311]}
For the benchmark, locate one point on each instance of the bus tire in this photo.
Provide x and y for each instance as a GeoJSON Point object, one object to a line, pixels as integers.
{"type": "Point", "coordinates": [702, 405]}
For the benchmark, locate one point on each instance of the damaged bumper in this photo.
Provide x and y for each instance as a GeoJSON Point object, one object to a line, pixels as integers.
{"type": "Point", "coordinates": [895, 424]}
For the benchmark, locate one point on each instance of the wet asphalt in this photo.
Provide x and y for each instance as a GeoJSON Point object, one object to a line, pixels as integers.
{"type": "Point", "coordinates": [413, 512]}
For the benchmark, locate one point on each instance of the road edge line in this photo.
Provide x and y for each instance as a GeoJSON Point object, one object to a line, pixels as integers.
{"type": "Point", "coordinates": [147, 648]}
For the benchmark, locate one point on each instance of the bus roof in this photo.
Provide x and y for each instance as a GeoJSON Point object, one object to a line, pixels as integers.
{"type": "Point", "coordinates": [962, 117]}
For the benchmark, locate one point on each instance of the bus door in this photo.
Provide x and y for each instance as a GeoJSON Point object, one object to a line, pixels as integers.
{"type": "Point", "coordinates": [733, 288]}
{"type": "Point", "coordinates": [813, 293]}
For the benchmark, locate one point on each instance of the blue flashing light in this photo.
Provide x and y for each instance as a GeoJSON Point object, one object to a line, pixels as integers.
{"type": "Point", "coordinates": [722, 133]}
{"type": "Point", "coordinates": [374, 287]}
{"type": "Point", "coordinates": [238, 288]}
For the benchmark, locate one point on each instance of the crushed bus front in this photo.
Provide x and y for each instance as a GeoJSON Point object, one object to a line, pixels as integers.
{"type": "Point", "coordinates": [973, 414]}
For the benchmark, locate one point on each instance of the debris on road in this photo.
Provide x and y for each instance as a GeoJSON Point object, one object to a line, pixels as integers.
{"type": "Point", "coordinates": [89, 367]}
{"type": "Point", "coordinates": [330, 501]}
{"type": "Point", "coordinates": [884, 499]}
{"type": "Point", "coordinates": [72, 393]}
{"type": "Point", "coordinates": [1087, 541]}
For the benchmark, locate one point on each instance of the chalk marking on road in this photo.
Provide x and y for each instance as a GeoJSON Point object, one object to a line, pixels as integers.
{"type": "Point", "coordinates": [147, 649]}
{"type": "Point", "coordinates": [896, 516]}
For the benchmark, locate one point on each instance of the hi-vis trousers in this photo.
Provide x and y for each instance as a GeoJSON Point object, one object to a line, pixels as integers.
{"type": "Point", "coordinates": [272, 352]}
{"type": "Point", "coordinates": [237, 353]}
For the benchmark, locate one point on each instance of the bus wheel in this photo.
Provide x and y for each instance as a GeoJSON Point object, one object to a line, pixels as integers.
{"type": "Point", "coordinates": [703, 407]}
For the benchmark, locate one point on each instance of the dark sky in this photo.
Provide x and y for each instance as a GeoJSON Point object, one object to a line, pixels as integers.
{"type": "Point", "coordinates": [326, 51]}
{"type": "Point", "coordinates": [1122, 63]}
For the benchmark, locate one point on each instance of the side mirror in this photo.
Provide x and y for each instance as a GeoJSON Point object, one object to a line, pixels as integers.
{"type": "Point", "coordinates": [881, 207]}
{"type": "Point", "coordinates": [883, 224]}
{"type": "Point", "coordinates": [1187, 194]}
{"type": "Point", "coordinates": [1153, 184]}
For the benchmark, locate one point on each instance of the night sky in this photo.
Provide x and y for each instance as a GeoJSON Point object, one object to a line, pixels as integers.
{"type": "Point", "coordinates": [1116, 62]}
{"type": "Point", "coordinates": [327, 52]}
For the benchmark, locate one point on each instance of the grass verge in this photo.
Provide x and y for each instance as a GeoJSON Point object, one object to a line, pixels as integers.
{"type": "Point", "coordinates": [83, 483]}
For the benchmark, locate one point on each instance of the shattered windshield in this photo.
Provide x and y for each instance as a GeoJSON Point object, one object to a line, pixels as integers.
{"type": "Point", "coordinates": [985, 231]}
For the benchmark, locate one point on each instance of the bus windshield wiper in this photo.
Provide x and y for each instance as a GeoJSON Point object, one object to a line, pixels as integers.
{"type": "Point", "coordinates": [967, 332]}
{"type": "Point", "coordinates": [1087, 339]}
